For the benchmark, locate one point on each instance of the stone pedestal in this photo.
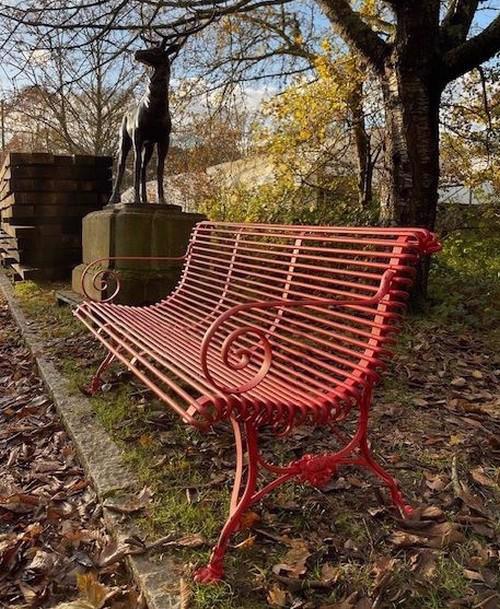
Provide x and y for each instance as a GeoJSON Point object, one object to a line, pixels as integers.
{"type": "Point", "coordinates": [135, 230]}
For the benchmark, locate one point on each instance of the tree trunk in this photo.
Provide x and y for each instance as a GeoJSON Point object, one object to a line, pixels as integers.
{"type": "Point", "coordinates": [363, 147]}
{"type": "Point", "coordinates": [411, 150]}
{"type": "Point", "coordinates": [412, 89]}
{"type": "Point", "coordinates": [411, 157]}
{"type": "Point", "coordinates": [414, 64]}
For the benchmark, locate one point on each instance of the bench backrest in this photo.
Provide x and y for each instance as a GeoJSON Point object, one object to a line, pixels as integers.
{"type": "Point", "coordinates": [229, 264]}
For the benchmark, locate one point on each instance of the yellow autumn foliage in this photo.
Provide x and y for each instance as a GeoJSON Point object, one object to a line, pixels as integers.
{"type": "Point", "coordinates": [307, 124]}
{"type": "Point", "coordinates": [305, 133]}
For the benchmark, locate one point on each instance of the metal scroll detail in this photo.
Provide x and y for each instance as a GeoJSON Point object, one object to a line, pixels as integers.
{"type": "Point", "coordinates": [104, 279]}
{"type": "Point", "coordinates": [245, 355]}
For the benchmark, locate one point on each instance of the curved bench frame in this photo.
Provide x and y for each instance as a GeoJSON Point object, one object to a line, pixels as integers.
{"type": "Point", "coordinates": [313, 469]}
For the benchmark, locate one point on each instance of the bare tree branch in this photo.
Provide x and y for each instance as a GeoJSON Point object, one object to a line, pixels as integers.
{"type": "Point", "coordinates": [473, 52]}
{"type": "Point", "coordinates": [457, 21]}
{"type": "Point", "coordinates": [355, 31]}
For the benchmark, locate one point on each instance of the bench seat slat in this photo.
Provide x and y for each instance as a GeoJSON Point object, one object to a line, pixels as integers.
{"type": "Point", "coordinates": [323, 357]}
{"type": "Point", "coordinates": [167, 349]}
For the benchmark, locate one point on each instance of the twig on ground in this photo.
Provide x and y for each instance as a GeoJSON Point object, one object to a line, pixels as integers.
{"type": "Point", "coordinates": [457, 491]}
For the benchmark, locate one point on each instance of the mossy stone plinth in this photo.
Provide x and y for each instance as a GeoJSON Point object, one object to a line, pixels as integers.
{"type": "Point", "coordinates": [136, 230]}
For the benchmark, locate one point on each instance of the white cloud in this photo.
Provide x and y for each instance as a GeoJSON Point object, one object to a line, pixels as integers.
{"type": "Point", "coordinates": [254, 96]}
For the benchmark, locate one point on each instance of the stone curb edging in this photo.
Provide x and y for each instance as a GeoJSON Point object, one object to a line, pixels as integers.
{"type": "Point", "coordinates": [156, 577]}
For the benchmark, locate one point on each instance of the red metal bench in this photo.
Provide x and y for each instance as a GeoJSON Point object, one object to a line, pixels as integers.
{"type": "Point", "coordinates": [273, 326]}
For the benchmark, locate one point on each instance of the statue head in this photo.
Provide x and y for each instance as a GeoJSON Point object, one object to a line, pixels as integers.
{"type": "Point", "coordinates": [158, 55]}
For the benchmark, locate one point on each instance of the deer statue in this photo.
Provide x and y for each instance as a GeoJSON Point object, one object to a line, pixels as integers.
{"type": "Point", "coordinates": [148, 124]}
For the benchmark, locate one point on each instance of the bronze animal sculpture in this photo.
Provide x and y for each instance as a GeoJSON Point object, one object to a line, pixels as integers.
{"type": "Point", "coordinates": [148, 124]}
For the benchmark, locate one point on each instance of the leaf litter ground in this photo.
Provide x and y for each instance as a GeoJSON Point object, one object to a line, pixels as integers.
{"type": "Point", "coordinates": [53, 542]}
{"type": "Point", "coordinates": [434, 424]}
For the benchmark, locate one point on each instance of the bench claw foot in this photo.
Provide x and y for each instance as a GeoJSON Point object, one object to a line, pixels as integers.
{"type": "Point", "coordinates": [96, 383]}
{"type": "Point", "coordinates": [407, 511]}
{"type": "Point", "coordinates": [210, 574]}
{"type": "Point", "coordinates": [399, 501]}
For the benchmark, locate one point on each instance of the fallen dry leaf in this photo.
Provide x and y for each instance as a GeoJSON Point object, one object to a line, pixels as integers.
{"type": "Point", "coordinates": [78, 604]}
{"type": "Point", "coordinates": [185, 594]}
{"type": "Point", "coordinates": [276, 596]}
{"type": "Point", "coordinates": [473, 575]}
{"type": "Point", "coordinates": [404, 540]}
{"type": "Point", "coordinates": [247, 543]}
{"type": "Point", "coordinates": [425, 564]}
{"type": "Point", "coordinates": [382, 570]}
{"type": "Point", "coordinates": [30, 594]}
{"type": "Point", "coordinates": [330, 573]}
{"type": "Point", "coordinates": [432, 512]}
{"type": "Point", "coordinates": [436, 482]}
{"type": "Point", "coordinates": [456, 439]}
{"type": "Point", "coordinates": [195, 540]}
{"type": "Point", "coordinates": [294, 562]}
{"type": "Point", "coordinates": [481, 478]}
{"type": "Point", "coordinates": [113, 552]}
{"type": "Point", "coordinates": [444, 534]}
{"type": "Point", "coordinates": [249, 520]}
{"type": "Point", "coordinates": [20, 503]}
{"type": "Point", "coordinates": [92, 590]}
{"type": "Point", "coordinates": [133, 504]}
{"type": "Point", "coordinates": [472, 501]}
{"type": "Point", "coordinates": [490, 408]}
{"type": "Point", "coordinates": [489, 600]}
{"type": "Point", "coordinates": [42, 561]}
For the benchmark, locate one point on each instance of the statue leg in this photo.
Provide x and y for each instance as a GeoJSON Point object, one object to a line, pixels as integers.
{"type": "Point", "coordinates": [162, 155]}
{"type": "Point", "coordinates": [125, 145]}
{"type": "Point", "coordinates": [146, 157]}
{"type": "Point", "coordinates": [138, 145]}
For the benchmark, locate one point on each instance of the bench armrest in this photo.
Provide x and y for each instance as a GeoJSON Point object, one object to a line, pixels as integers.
{"type": "Point", "coordinates": [104, 278]}
{"type": "Point", "coordinates": [245, 354]}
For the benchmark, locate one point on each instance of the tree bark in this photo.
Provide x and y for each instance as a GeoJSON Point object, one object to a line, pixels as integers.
{"type": "Point", "coordinates": [411, 149]}
{"type": "Point", "coordinates": [363, 147]}
{"type": "Point", "coordinates": [412, 85]}
{"type": "Point", "coordinates": [411, 158]}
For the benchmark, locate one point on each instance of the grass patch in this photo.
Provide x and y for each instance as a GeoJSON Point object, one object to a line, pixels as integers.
{"type": "Point", "coordinates": [464, 284]}
{"type": "Point", "coordinates": [220, 596]}
{"type": "Point", "coordinates": [39, 303]}
{"type": "Point", "coordinates": [447, 585]}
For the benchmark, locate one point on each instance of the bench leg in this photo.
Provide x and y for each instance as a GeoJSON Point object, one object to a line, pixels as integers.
{"type": "Point", "coordinates": [240, 502]}
{"type": "Point", "coordinates": [317, 470]}
{"type": "Point", "coordinates": [96, 383]}
{"type": "Point", "coordinates": [396, 494]}
{"type": "Point", "coordinates": [314, 469]}
{"type": "Point", "coordinates": [368, 460]}
{"type": "Point", "coordinates": [238, 474]}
